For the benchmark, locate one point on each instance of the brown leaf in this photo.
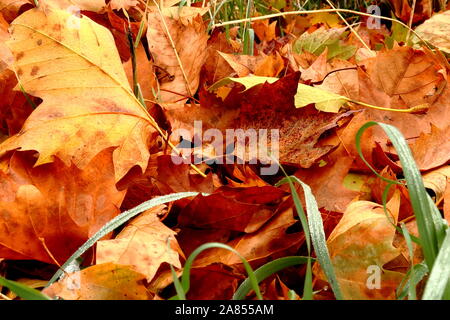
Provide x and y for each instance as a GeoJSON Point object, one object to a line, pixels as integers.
{"type": "Point", "coordinates": [189, 41]}
{"type": "Point", "coordinates": [240, 209]}
{"type": "Point", "coordinates": [10, 9]}
{"type": "Point", "coordinates": [142, 245]}
{"type": "Point", "coordinates": [327, 182]}
{"type": "Point", "coordinates": [214, 69]}
{"type": "Point", "coordinates": [14, 108]}
{"type": "Point", "coordinates": [47, 212]}
{"type": "Point", "coordinates": [432, 150]}
{"type": "Point", "coordinates": [88, 105]}
{"type": "Point", "coordinates": [269, 242]}
{"type": "Point", "coordinates": [213, 282]}
{"type": "Point", "coordinates": [414, 76]}
{"type": "Point", "coordinates": [271, 107]}
{"type": "Point", "coordinates": [363, 239]}
{"type": "Point", "coordinates": [101, 282]}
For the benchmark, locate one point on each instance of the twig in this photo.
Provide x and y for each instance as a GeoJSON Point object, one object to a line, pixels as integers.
{"type": "Point", "coordinates": [411, 18]}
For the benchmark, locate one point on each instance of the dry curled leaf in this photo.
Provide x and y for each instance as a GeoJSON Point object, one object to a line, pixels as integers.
{"type": "Point", "coordinates": [179, 51]}
{"type": "Point", "coordinates": [143, 245]}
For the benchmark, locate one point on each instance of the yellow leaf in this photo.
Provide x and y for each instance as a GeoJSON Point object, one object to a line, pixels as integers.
{"type": "Point", "coordinates": [247, 82]}
{"type": "Point", "coordinates": [73, 65]}
{"type": "Point", "coordinates": [74, 6]}
{"type": "Point", "coordinates": [324, 100]}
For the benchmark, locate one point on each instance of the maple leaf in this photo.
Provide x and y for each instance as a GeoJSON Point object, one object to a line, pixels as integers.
{"type": "Point", "coordinates": [179, 51]}
{"type": "Point", "coordinates": [142, 244]}
{"type": "Point", "coordinates": [87, 104]}
{"type": "Point", "coordinates": [49, 211]}
{"type": "Point", "coordinates": [364, 238]}
{"type": "Point", "coordinates": [106, 281]}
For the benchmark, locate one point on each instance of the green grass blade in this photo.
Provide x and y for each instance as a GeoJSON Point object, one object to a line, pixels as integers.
{"type": "Point", "coordinates": [438, 283]}
{"type": "Point", "coordinates": [425, 215]}
{"type": "Point", "coordinates": [419, 272]}
{"type": "Point", "coordinates": [307, 288]}
{"type": "Point", "coordinates": [185, 278]}
{"type": "Point", "coordinates": [266, 271]}
{"type": "Point", "coordinates": [318, 238]}
{"type": "Point", "coordinates": [299, 208]}
{"type": "Point", "coordinates": [411, 288]}
{"type": "Point", "coordinates": [116, 222]}
{"type": "Point", "coordinates": [315, 231]}
{"type": "Point", "coordinates": [181, 294]}
{"type": "Point", "coordinates": [23, 291]}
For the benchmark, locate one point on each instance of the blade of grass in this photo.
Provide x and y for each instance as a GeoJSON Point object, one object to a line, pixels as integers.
{"type": "Point", "coordinates": [438, 283]}
{"type": "Point", "coordinates": [420, 271]}
{"type": "Point", "coordinates": [266, 271]}
{"type": "Point", "coordinates": [185, 278]}
{"type": "Point", "coordinates": [181, 294]}
{"type": "Point", "coordinates": [23, 291]}
{"type": "Point", "coordinates": [116, 222]}
{"type": "Point", "coordinates": [317, 233]}
{"type": "Point", "coordinates": [412, 295]}
{"type": "Point", "coordinates": [419, 198]}
{"type": "Point", "coordinates": [307, 287]}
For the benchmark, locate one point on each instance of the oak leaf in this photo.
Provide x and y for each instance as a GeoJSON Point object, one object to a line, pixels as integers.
{"type": "Point", "coordinates": [87, 104]}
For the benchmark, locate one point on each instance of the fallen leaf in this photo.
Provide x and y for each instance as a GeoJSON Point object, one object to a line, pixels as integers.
{"type": "Point", "coordinates": [88, 104]}
{"type": "Point", "coordinates": [49, 211]}
{"type": "Point", "coordinates": [432, 150]}
{"type": "Point", "coordinates": [437, 180]}
{"type": "Point", "coordinates": [435, 31]}
{"type": "Point", "coordinates": [101, 282]}
{"type": "Point", "coordinates": [123, 4]}
{"type": "Point", "coordinates": [180, 51]}
{"type": "Point", "coordinates": [213, 282]}
{"type": "Point", "coordinates": [362, 240]}
{"type": "Point", "coordinates": [269, 242]}
{"type": "Point", "coordinates": [239, 209]}
{"type": "Point", "coordinates": [11, 8]}
{"type": "Point", "coordinates": [142, 245]}
{"type": "Point", "coordinates": [411, 75]}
